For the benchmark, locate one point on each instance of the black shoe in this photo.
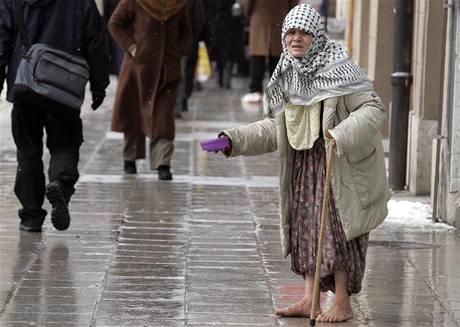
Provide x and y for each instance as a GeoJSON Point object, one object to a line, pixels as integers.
{"type": "Point", "coordinates": [60, 217]}
{"type": "Point", "coordinates": [227, 75]}
{"type": "Point", "coordinates": [220, 80]}
{"type": "Point", "coordinates": [130, 167]}
{"type": "Point", "coordinates": [30, 227]}
{"type": "Point", "coordinates": [164, 173]}
{"type": "Point", "coordinates": [184, 105]}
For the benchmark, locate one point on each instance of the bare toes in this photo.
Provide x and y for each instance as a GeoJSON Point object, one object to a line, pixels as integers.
{"type": "Point", "coordinates": [300, 309]}
{"type": "Point", "coordinates": [326, 318]}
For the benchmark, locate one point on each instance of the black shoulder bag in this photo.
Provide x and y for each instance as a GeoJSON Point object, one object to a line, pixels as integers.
{"type": "Point", "coordinates": [47, 77]}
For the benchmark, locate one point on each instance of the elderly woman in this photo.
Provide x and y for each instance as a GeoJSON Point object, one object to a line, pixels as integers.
{"type": "Point", "coordinates": [317, 95]}
{"type": "Point", "coordinates": [154, 36]}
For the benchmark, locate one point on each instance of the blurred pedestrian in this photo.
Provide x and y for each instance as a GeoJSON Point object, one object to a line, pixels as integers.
{"type": "Point", "coordinates": [116, 54]}
{"type": "Point", "coordinates": [198, 20]}
{"type": "Point", "coordinates": [74, 27]}
{"type": "Point", "coordinates": [154, 35]}
{"type": "Point", "coordinates": [265, 20]}
{"type": "Point", "coordinates": [227, 36]}
{"type": "Point", "coordinates": [317, 96]}
{"type": "Point", "coordinates": [210, 8]}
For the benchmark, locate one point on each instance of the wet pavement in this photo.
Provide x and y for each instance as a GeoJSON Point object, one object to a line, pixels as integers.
{"type": "Point", "coordinates": [202, 250]}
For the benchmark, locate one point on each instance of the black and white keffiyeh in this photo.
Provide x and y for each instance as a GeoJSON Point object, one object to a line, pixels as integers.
{"type": "Point", "coordinates": [325, 71]}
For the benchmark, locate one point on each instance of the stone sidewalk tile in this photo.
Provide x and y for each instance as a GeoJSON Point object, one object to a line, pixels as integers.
{"type": "Point", "coordinates": [201, 250]}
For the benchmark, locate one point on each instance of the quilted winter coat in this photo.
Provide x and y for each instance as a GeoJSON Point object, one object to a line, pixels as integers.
{"type": "Point", "coordinates": [359, 180]}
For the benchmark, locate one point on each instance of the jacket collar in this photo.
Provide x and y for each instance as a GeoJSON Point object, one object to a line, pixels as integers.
{"type": "Point", "coordinates": [161, 10]}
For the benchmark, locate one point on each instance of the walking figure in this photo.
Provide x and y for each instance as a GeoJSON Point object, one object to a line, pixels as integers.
{"type": "Point", "coordinates": [76, 28]}
{"type": "Point", "coordinates": [154, 35]}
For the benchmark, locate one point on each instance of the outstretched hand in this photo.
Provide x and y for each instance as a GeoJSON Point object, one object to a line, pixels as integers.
{"type": "Point", "coordinates": [228, 149]}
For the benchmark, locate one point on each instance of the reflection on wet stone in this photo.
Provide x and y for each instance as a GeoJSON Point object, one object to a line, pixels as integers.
{"type": "Point", "coordinates": [203, 250]}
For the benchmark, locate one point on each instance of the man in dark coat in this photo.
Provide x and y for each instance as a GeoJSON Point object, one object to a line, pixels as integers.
{"type": "Point", "coordinates": [74, 27]}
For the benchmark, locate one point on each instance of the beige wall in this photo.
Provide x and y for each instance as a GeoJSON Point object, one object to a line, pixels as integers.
{"type": "Point", "coordinates": [450, 163]}
{"type": "Point", "coordinates": [361, 34]}
{"type": "Point", "coordinates": [380, 50]}
{"type": "Point", "coordinates": [426, 92]}
{"type": "Point", "coordinates": [427, 45]}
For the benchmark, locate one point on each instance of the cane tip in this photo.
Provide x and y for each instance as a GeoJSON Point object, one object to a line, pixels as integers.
{"type": "Point", "coordinates": [312, 322]}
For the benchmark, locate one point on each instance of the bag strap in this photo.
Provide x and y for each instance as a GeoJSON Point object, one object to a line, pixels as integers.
{"type": "Point", "coordinates": [19, 14]}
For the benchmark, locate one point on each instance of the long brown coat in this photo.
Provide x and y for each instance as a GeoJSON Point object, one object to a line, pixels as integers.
{"type": "Point", "coordinates": [265, 25]}
{"type": "Point", "coordinates": [148, 84]}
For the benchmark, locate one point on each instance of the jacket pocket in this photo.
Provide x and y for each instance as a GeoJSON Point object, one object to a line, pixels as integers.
{"type": "Point", "coordinates": [365, 174]}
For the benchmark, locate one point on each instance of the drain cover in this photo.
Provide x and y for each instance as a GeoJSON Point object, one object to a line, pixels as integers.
{"type": "Point", "coordinates": [404, 245]}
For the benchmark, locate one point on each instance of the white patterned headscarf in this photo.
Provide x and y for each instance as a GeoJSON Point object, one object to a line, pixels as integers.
{"type": "Point", "coordinates": [325, 71]}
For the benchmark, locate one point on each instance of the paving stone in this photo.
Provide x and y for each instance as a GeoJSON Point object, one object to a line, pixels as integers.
{"type": "Point", "coordinates": [202, 250]}
{"type": "Point", "coordinates": [138, 322]}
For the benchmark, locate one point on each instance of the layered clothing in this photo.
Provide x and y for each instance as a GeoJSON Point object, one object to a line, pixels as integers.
{"type": "Point", "coordinates": [352, 113]}
{"type": "Point", "coordinates": [148, 83]}
{"type": "Point", "coordinates": [324, 71]}
{"type": "Point", "coordinates": [359, 181]}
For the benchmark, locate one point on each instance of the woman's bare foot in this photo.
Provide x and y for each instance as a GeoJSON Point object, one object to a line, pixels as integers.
{"type": "Point", "coordinates": [337, 313]}
{"type": "Point", "coordinates": [300, 309]}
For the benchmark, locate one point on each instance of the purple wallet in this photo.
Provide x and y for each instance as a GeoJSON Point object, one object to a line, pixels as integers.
{"type": "Point", "coordinates": [216, 144]}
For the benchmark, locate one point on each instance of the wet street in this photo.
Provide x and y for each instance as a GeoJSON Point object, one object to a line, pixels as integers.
{"type": "Point", "coordinates": [202, 250]}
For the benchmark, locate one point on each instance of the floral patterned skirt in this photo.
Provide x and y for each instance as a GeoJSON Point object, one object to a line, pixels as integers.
{"type": "Point", "coordinates": [308, 180]}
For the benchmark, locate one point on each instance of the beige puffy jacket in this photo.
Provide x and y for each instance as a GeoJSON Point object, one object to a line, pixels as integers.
{"type": "Point", "coordinates": [359, 181]}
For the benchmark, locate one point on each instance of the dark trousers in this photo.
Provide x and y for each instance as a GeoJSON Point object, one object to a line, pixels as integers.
{"type": "Point", "coordinates": [258, 69]}
{"type": "Point", "coordinates": [116, 57]}
{"type": "Point", "coordinates": [190, 67]}
{"type": "Point", "coordinates": [64, 137]}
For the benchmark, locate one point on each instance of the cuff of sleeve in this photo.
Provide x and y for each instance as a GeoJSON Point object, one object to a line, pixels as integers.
{"type": "Point", "coordinates": [338, 146]}
{"type": "Point", "coordinates": [227, 154]}
{"type": "Point", "coordinates": [98, 92]}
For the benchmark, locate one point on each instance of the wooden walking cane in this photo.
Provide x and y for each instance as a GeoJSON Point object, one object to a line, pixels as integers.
{"type": "Point", "coordinates": [324, 215]}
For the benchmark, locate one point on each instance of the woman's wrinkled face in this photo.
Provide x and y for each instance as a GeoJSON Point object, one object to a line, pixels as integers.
{"type": "Point", "coordinates": [298, 42]}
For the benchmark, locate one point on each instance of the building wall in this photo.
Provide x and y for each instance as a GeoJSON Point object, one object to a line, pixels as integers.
{"type": "Point", "coordinates": [361, 34]}
{"type": "Point", "coordinates": [341, 9]}
{"type": "Point", "coordinates": [380, 50]}
{"type": "Point", "coordinates": [447, 197]}
{"type": "Point", "coordinates": [454, 185]}
{"type": "Point", "coordinates": [426, 92]}
{"type": "Point", "coordinates": [453, 203]}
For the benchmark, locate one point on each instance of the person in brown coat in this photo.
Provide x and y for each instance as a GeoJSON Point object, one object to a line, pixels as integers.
{"type": "Point", "coordinates": [265, 22]}
{"type": "Point", "coordinates": [154, 35]}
